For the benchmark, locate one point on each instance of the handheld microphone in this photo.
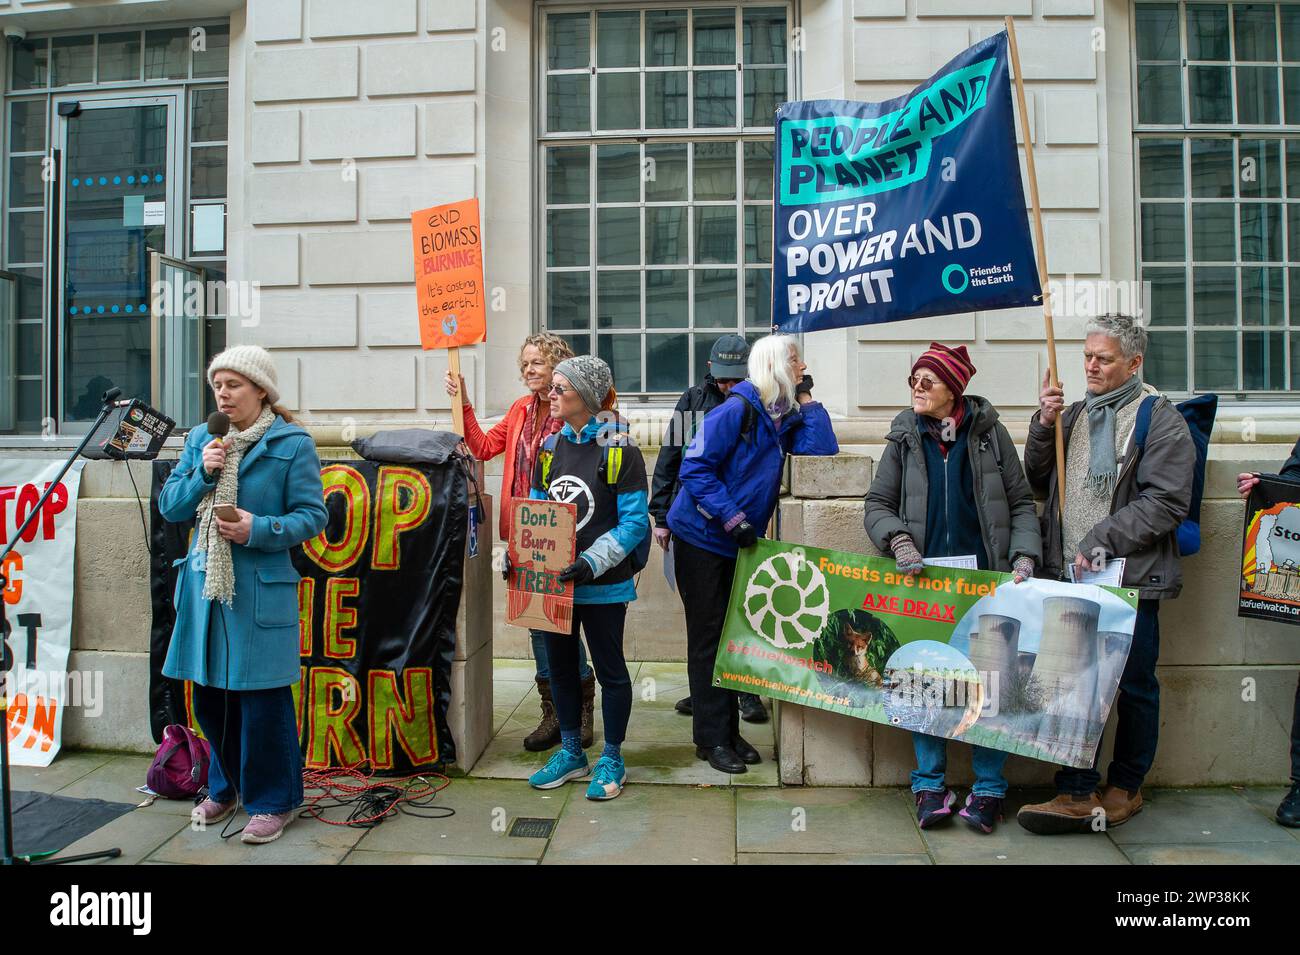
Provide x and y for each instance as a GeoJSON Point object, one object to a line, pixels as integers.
{"type": "Point", "coordinates": [111, 395]}
{"type": "Point", "coordinates": [218, 424]}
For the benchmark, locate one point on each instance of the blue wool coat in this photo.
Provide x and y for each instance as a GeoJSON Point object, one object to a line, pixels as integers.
{"type": "Point", "coordinates": [280, 484]}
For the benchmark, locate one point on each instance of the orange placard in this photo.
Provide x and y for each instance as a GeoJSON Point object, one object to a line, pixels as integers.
{"type": "Point", "coordinates": [448, 244]}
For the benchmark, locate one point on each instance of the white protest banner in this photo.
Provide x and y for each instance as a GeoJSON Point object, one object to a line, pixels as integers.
{"type": "Point", "coordinates": [37, 604]}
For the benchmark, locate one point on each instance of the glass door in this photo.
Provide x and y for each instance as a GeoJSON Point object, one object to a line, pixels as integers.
{"type": "Point", "coordinates": [121, 198]}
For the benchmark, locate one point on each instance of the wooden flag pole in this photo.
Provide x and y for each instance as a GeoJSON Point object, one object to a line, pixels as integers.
{"type": "Point", "coordinates": [458, 402]}
{"type": "Point", "coordinates": [1043, 278]}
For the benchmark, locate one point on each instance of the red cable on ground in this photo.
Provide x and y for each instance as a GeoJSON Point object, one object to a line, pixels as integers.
{"type": "Point", "coordinates": [371, 799]}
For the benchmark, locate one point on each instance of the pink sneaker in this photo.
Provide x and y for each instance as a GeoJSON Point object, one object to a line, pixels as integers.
{"type": "Point", "coordinates": [209, 812]}
{"type": "Point", "coordinates": [265, 827]}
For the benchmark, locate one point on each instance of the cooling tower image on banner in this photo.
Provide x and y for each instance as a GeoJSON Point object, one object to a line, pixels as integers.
{"type": "Point", "coordinates": [1049, 668]}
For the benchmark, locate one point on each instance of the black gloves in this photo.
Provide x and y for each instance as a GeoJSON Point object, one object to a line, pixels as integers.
{"type": "Point", "coordinates": [505, 566]}
{"type": "Point", "coordinates": [804, 387]}
{"type": "Point", "coordinates": [579, 572]}
{"type": "Point", "coordinates": [744, 534]}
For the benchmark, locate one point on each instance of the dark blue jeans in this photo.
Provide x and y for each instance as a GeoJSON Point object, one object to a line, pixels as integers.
{"type": "Point", "coordinates": [602, 625]}
{"type": "Point", "coordinates": [260, 755]}
{"type": "Point", "coordinates": [1138, 707]}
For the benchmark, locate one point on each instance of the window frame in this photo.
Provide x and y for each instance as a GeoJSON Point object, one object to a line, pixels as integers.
{"type": "Point", "coordinates": [690, 135]}
{"type": "Point", "coordinates": [1236, 133]}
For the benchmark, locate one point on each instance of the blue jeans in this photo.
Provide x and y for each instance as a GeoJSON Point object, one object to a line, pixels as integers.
{"type": "Point", "coordinates": [932, 761]}
{"type": "Point", "coordinates": [544, 663]}
{"type": "Point", "coordinates": [1138, 709]}
{"type": "Point", "coordinates": [259, 759]}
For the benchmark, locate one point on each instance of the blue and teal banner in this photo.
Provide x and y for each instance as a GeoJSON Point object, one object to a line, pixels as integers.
{"type": "Point", "coordinates": [906, 208]}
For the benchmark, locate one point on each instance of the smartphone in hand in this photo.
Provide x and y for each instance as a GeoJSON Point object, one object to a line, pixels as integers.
{"type": "Point", "coordinates": [227, 512]}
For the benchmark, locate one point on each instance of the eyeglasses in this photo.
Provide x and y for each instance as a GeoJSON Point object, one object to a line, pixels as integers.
{"type": "Point", "coordinates": [559, 389]}
{"type": "Point", "coordinates": [925, 383]}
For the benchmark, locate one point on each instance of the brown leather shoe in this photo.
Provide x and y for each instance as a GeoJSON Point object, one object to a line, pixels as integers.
{"type": "Point", "coordinates": [1063, 814]}
{"type": "Point", "coordinates": [547, 733]}
{"type": "Point", "coordinates": [588, 710]}
{"type": "Point", "coordinates": [1120, 804]}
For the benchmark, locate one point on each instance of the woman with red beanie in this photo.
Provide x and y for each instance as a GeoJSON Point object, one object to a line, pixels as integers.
{"type": "Point", "coordinates": [950, 484]}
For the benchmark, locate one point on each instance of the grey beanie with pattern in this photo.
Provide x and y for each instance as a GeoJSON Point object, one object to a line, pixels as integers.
{"type": "Point", "coordinates": [590, 376]}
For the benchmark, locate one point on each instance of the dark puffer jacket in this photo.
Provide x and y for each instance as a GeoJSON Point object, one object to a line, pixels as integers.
{"type": "Point", "coordinates": [1003, 500]}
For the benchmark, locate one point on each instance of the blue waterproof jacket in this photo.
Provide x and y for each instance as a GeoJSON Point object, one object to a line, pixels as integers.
{"type": "Point", "coordinates": [727, 478]}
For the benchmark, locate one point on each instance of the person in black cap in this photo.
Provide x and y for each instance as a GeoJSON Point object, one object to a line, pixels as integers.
{"type": "Point", "coordinates": [728, 364]}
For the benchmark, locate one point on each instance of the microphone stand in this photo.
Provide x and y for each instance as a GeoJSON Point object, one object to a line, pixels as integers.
{"type": "Point", "coordinates": [6, 811]}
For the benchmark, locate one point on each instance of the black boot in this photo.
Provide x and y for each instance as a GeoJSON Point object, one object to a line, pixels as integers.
{"type": "Point", "coordinates": [683, 706]}
{"type": "Point", "coordinates": [547, 733]}
{"type": "Point", "coordinates": [721, 758]}
{"type": "Point", "coordinates": [746, 751]}
{"type": "Point", "coordinates": [751, 708]}
{"type": "Point", "coordinates": [1288, 814]}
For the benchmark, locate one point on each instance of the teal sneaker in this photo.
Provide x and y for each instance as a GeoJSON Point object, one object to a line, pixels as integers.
{"type": "Point", "coordinates": [559, 769]}
{"type": "Point", "coordinates": [608, 779]}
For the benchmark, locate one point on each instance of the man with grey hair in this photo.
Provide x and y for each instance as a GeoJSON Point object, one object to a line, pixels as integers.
{"type": "Point", "coordinates": [1120, 501]}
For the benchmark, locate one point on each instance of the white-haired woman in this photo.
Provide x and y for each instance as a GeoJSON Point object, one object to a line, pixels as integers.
{"type": "Point", "coordinates": [730, 479]}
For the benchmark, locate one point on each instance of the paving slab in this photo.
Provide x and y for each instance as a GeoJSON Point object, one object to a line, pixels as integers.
{"type": "Point", "coordinates": [1227, 853]}
{"type": "Point", "coordinates": [116, 781]}
{"type": "Point", "coordinates": [825, 820]}
{"type": "Point", "coordinates": [138, 834]}
{"type": "Point", "coordinates": [506, 758]}
{"type": "Point", "coordinates": [305, 842]}
{"type": "Point", "coordinates": [513, 693]}
{"type": "Point", "coordinates": [362, 857]}
{"type": "Point", "coordinates": [68, 767]}
{"type": "Point", "coordinates": [1196, 817]}
{"type": "Point", "coordinates": [485, 809]}
{"type": "Point", "coordinates": [648, 825]}
{"type": "Point", "coordinates": [669, 763]}
{"type": "Point", "coordinates": [524, 671]}
{"type": "Point", "coordinates": [831, 858]}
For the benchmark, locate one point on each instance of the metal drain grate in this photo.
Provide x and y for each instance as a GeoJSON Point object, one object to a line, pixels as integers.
{"type": "Point", "coordinates": [532, 827]}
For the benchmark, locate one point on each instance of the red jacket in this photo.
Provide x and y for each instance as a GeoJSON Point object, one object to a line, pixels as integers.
{"type": "Point", "coordinates": [485, 446]}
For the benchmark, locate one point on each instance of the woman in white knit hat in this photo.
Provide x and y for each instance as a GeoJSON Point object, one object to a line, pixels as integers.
{"type": "Point", "coordinates": [236, 632]}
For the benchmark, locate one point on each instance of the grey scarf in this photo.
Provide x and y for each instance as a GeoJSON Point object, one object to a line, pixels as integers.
{"type": "Point", "coordinates": [219, 579]}
{"type": "Point", "coordinates": [1102, 462]}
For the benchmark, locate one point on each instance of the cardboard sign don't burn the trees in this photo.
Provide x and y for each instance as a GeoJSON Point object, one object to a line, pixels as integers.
{"type": "Point", "coordinates": [543, 541]}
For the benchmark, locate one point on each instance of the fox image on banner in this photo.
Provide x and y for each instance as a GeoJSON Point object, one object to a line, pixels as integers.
{"type": "Point", "coordinates": [906, 208]}
{"type": "Point", "coordinates": [1270, 552]}
{"type": "Point", "coordinates": [1030, 668]}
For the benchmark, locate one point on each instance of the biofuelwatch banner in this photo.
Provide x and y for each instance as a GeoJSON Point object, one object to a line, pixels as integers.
{"type": "Point", "coordinates": [1029, 668]}
{"type": "Point", "coordinates": [1270, 552]}
{"type": "Point", "coordinates": [906, 208]}
{"type": "Point", "coordinates": [378, 599]}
